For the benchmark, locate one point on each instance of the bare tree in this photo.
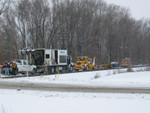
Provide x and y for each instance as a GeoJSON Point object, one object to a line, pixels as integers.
{"type": "Point", "coordinates": [83, 27]}
{"type": "Point", "coordinates": [10, 35]}
{"type": "Point", "coordinates": [4, 5]}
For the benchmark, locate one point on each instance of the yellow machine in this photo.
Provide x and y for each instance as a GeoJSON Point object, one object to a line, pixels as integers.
{"type": "Point", "coordinates": [106, 66]}
{"type": "Point", "coordinates": [85, 63]}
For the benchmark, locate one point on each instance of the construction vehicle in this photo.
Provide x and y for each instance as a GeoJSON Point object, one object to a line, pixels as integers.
{"type": "Point", "coordinates": [85, 63]}
{"type": "Point", "coordinates": [106, 66]}
{"type": "Point", "coordinates": [114, 64]}
{"type": "Point", "coordinates": [110, 65]}
{"type": "Point", "coordinates": [51, 60]}
{"type": "Point", "coordinates": [126, 63]}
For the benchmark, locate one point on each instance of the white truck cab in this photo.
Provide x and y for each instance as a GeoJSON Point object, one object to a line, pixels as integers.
{"type": "Point", "coordinates": [24, 65]}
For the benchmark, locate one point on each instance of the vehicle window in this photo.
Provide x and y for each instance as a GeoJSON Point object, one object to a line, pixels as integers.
{"type": "Point", "coordinates": [29, 63]}
{"type": "Point", "coordinates": [63, 59]}
{"type": "Point", "coordinates": [19, 62]}
{"type": "Point", "coordinates": [24, 63]}
{"type": "Point", "coordinates": [47, 56]}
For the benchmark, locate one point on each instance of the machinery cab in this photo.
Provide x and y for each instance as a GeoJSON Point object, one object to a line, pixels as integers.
{"type": "Point", "coordinates": [85, 63]}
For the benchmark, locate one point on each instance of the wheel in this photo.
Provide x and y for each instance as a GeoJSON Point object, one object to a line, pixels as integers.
{"type": "Point", "coordinates": [71, 69]}
{"type": "Point", "coordinates": [34, 71]}
{"type": "Point", "coordinates": [16, 72]}
{"type": "Point", "coordinates": [52, 70]}
{"type": "Point", "coordinates": [81, 69]}
{"type": "Point", "coordinates": [56, 69]}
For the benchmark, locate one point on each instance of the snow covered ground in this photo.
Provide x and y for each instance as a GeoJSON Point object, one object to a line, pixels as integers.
{"type": "Point", "coordinates": [13, 101]}
{"type": "Point", "coordinates": [112, 77]}
{"type": "Point", "coordinates": [23, 101]}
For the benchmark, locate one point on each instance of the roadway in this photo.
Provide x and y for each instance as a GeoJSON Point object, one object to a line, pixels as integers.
{"type": "Point", "coordinates": [71, 88]}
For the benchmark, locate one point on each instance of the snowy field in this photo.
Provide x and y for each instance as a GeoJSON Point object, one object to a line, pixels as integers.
{"type": "Point", "coordinates": [13, 101]}
{"type": "Point", "coordinates": [25, 101]}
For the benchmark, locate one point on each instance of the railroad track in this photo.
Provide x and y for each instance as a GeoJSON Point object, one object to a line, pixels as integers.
{"type": "Point", "coordinates": [40, 74]}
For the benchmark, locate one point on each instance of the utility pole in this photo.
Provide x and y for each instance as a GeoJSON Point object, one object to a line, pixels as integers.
{"type": "Point", "coordinates": [27, 72]}
{"type": "Point", "coordinates": [27, 38]}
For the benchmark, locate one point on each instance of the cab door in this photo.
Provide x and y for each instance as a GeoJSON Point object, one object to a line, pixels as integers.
{"type": "Point", "coordinates": [20, 65]}
{"type": "Point", "coordinates": [47, 57]}
{"type": "Point", "coordinates": [27, 66]}
{"type": "Point", "coordinates": [24, 65]}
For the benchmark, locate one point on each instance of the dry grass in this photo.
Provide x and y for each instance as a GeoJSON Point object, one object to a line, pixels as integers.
{"type": "Point", "coordinates": [147, 69]}
{"type": "Point", "coordinates": [97, 76]}
{"type": "Point", "coordinates": [139, 70]}
{"type": "Point", "coordinates": [143, 69]}
{"type": "Point", "coordinates": [130, 70]}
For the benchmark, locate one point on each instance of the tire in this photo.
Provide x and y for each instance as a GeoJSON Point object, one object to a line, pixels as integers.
{"type": "Point", "coordinates": [52, 70]}
{"type": "Point", "coordinates": [71, 69]}
{"type": "Point", "coordinates": [34, 71]}
{"type": "Point", "coordinates": [56, 69]}
{"type": "Point", "coordinates": [16, 72]}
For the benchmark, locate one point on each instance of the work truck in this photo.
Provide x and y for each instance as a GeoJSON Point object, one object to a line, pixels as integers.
{"type": "Point", "coordinates": [51, 60]}
{"type": "Point", "coordinates": [24, 65]}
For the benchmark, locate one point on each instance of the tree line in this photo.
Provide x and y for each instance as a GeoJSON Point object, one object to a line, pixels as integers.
{"type": "Point", "coordinates": [84, 27]}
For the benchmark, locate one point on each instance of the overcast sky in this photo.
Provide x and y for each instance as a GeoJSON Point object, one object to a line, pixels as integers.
{"type": "Point", "coordinates": [138, 8]}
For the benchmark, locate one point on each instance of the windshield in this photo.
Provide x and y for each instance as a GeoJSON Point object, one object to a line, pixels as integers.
{"type": "Point", "coordinates": [80, 59]}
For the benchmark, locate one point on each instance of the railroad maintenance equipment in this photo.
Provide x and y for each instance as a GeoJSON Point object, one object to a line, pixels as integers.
{"type": "Point", "coordinates": [126, 63]}
{"type": "Point", "coordinates": [85, 63]}
{"type": "Point", "coordinates": [51, 60]}
{"type": "Point", "coordinates": [106, 66]}
{"type": "Point", "coordinates": [110, 65]}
